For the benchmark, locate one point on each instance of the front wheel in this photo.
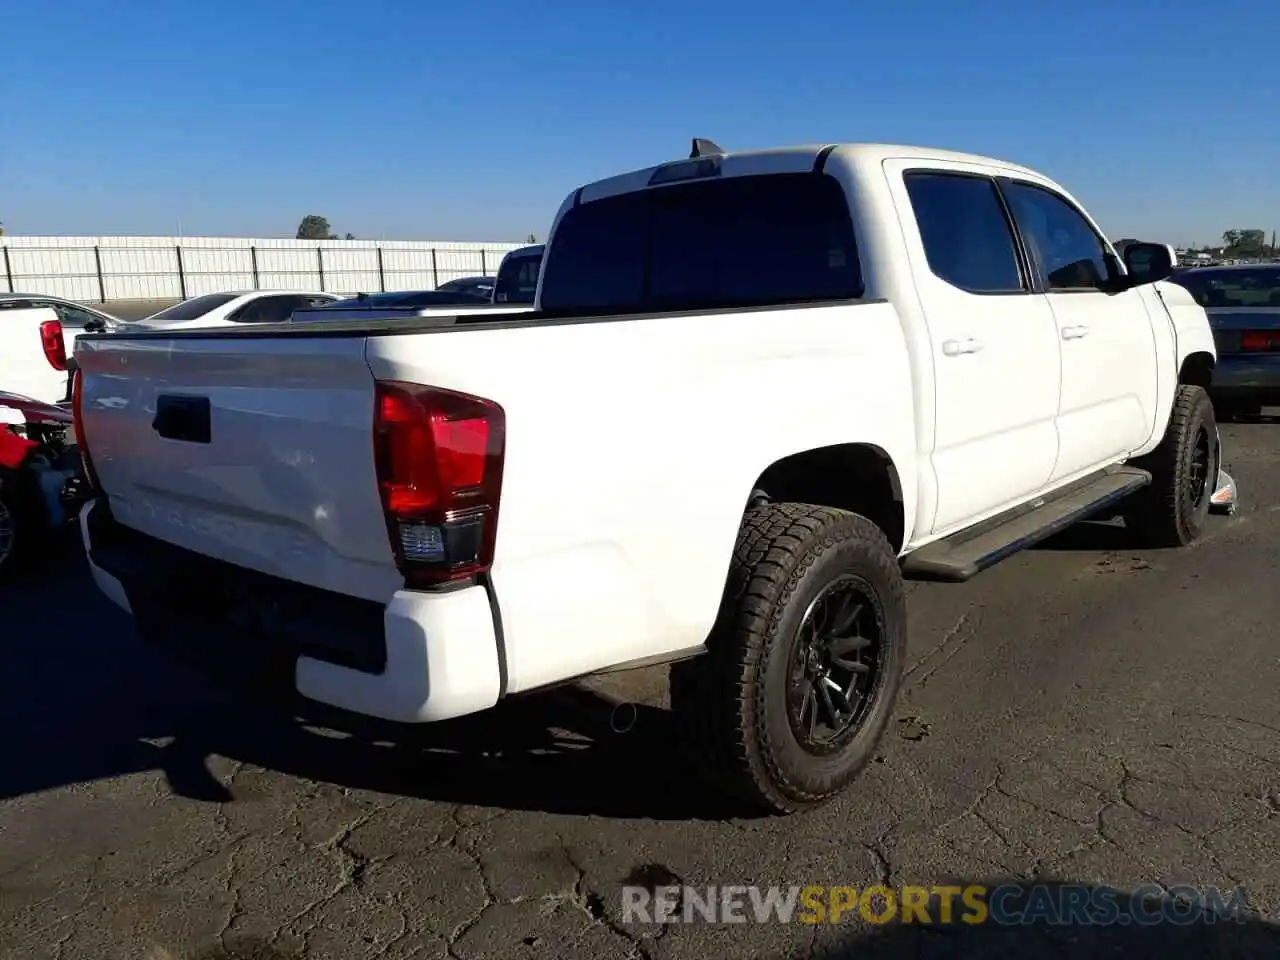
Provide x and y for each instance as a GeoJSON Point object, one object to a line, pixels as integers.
{"type": "Point", "coordinates": [1184, 472]}
{"type": "Point", "coordinates": [804, 662]}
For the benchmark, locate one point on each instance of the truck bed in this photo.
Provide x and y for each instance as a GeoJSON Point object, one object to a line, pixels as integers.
{"type": "Point", "coordinates": [632, 444]}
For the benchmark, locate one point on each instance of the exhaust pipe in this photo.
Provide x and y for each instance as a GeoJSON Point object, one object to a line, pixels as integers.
{"type": "Point", "coordinates": [623, 717]}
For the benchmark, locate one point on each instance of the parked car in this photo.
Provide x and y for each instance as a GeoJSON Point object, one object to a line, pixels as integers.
{"type": "Point", "coordinates": [406, 305]}
{"type": "Point", "coordinates": [233, 307]}
{"type": "Point", "coordinates": [33, 353]}
{"type": "Point", "coordinates": [756, 392]}
{"type": "Point", "coordinates": [37, 461]}
{"type": "Point", "coordinates": [74, 317]}
{"type": "Point", "coordinates": [1243, 303]}
{"type": "Point", "coordinates": [481, 287]}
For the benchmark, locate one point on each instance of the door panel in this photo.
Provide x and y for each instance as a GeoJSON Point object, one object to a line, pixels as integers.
{"type": "Point", "coordinates": [1109, 369]}
{"type": "Point", "coordinates": [995, 344]}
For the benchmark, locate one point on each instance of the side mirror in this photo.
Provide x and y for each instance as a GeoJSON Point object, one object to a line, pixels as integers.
{"type": "Point", "coordinates": [1148, 262]}
{"type": "Point", "coordinates": [95, 326]}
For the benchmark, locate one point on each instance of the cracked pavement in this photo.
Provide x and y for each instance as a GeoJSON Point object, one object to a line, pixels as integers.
{"type": "Point", "coordinates": [1082, 712]}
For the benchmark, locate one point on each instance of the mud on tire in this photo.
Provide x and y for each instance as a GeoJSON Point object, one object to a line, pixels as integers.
{"type": "Point", "coordinates": [1184, 471]}
{"type": "Point", "coordinates": [814, 595]}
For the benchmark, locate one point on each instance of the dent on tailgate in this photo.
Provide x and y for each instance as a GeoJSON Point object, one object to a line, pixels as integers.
{"type": "Point", "coordinates": [256, 451]}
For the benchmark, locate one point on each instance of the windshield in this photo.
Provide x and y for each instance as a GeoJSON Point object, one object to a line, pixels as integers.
{"type": "Point", "coordinates": [517, 279]}
{"type": "Point", "coordinates": [739, 242]}
{"type": "Point", "coordinates": [191, 309]}
{"type": "Point", "coordinates": [1248, 287]}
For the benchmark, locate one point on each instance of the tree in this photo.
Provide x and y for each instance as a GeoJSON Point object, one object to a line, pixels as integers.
{"type": "Point", "coordinates": [532, 239]}
{"type": "Point", "coordinates": [349, 236]}
{"type": "Point", "coordinates": [1, 229]}
{"type": "Point", "coordinates": [313, 227]}
{"type": "Point", "coordinates": [1244, 243]}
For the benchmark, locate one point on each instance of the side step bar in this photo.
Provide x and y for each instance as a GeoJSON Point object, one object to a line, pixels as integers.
{"type": "Point", "coordinates": [957, 558]}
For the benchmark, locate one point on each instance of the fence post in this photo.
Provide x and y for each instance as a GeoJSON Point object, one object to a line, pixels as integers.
{"type": "Point", "coordinates": [484, 265]}
{"type": "Point", "coordinates": [97, 263]}
{"type": "Point", "coordinates": [320, 264]}
{"type": "Point", "coordinates": [253, 260]}
{"type": "Point", "coordinates": [8, 269]}
{"type": "Point", "coordinates": [382, 276]}
{"type": "Point", "coordinates": [435, 270]}
{"type": "Point", "coordinates": [182, 274]}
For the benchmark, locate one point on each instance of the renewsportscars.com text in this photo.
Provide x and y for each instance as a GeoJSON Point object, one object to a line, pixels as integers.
{"type": "Point", "coordinates": [1010, 904]}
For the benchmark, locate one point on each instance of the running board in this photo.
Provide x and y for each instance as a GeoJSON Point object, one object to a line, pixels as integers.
{"type": "Point", "coordinates": [962, 555]}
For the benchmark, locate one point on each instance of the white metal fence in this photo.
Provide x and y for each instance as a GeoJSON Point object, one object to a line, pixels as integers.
{"type": "Point", "coordinates": [102, 269]}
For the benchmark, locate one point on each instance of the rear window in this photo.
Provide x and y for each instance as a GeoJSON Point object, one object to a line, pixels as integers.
{"type": "Point", "coordinates": [518, 279]}
{"type": "Point", "coordinates": [1252, 287]}
{"type": "Point", "coordinates": [192, 309]}
{"type": "Point", "coordinates": [742, 241]}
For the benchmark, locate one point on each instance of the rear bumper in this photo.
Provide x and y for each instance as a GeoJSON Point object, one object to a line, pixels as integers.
{"type": "Point", "coordinates": [1255, 378]}
{"type": "Point", "coordinates": [421, 658]}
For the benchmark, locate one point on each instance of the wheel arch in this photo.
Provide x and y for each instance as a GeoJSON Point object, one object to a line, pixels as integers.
{"type": "Point", "coordinates": [859, 477]}
{"type": "Point", "coordinates": [1197, 369]}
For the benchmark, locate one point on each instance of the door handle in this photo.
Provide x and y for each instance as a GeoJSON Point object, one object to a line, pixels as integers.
{"type": "Point", "coordinates": [1075, 333]}
{"type": "Point", "coordinates": [953, 348]}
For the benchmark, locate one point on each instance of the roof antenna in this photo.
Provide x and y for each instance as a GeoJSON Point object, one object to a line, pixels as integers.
{"type": "Point", "coordinates": [703, 148]}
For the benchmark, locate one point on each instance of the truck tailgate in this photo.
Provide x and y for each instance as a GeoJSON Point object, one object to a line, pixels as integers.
{"type": "Point", "coordinates": [255, 451]}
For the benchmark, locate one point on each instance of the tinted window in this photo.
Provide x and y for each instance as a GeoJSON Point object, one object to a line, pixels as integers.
{"type": "Point", "coordinates": [1070, 253]}
{"type": "Point", "coordinates": [75, 316]}
{"type": "Point", "coordinates": [269, 309]}
{"type": "Point", "coordinates": [742, 241]}
{"type": "Point", "coordinates": [518, 279]}
{"type": "Point", "coordinates": [192, 309]}
{"type": "Point", "coordinates": [476, 286]}
{"type": "Point", "coordinates": [1252, 287]}
{"type": "Point", "coordinates": [965, 232]}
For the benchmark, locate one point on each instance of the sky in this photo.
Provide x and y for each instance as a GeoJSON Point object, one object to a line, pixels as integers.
{"type": "Point", "coordinates": [446, 121]}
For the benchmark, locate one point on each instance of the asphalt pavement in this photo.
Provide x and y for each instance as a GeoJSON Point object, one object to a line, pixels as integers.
{"type": "Point", "coordinates": [1082, 713]}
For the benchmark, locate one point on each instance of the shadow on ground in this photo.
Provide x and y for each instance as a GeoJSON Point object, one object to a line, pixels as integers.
{"type": "Point", "coordinates": [84, 699]}
{"type": "Point", "coordinates": [1090, 535]}
{"type": "Point", "coordinates": [1150, 932]}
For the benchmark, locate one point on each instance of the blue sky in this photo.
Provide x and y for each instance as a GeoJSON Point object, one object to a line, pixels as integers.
{"type": "Point", "coordinates": [471, 122]}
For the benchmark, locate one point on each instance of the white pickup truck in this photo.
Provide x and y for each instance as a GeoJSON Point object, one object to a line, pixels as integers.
{"type": "Point", "coordinates": [757, 390]}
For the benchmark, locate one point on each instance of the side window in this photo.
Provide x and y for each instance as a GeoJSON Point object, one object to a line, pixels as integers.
{"type": "Point", "coordinates": [518, 280]}
{"type": "Point", "coordinates": [1070, 253]}
{"type": "Point", "coordinates": [250, 312]}
{"type": "Point", "coordinates": [278, 309]}
{"type": "Point", "coordinates": [965, 232]}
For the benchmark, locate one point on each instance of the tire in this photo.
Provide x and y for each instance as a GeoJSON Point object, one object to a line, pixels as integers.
{"type": "Point", "coordinates": [1171, 512]}
{"type": "Point", "coordinates": [13, 531]}
{"type": "Point", "coordinates": [741, 702]}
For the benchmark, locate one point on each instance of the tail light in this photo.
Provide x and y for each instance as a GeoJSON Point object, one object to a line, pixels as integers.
{"type": "Point", "coordinates": [1260, 341]}
{"type": "Point", "coordinates": [439, 457]}
{"type": "Point", "coordinates": [55, 347]}
{"type": "Point", "coordinates": [77, 424]}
